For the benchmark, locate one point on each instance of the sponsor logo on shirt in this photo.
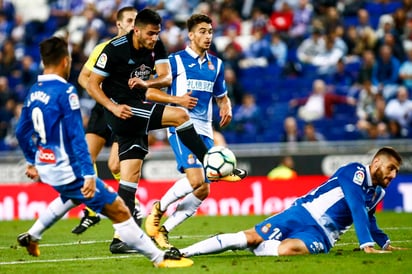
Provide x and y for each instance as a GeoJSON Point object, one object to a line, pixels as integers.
{"type": "Point", "coordinates": [74, 101]}
{"type": "Point", "coordinates": [358, 177]}
{"type": "Point", "coordinates": [46, 156]}
{"type": "Point", "coordinates": [101, 62]}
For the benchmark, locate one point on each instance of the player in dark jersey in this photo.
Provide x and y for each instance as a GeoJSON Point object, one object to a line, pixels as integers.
{"type": "Point", "coordinates": [51, 136]}
{"type": "Point", "coordinates": [119, 81]}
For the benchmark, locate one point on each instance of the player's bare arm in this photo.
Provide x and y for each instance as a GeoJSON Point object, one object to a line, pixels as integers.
{"type": "Point", "coordinates": [84, 77]}
{"type": "Point", "coordinates": [159, 96]}
{"type": "Point", "coordinates": [225, 110]}
{"type": "Point", "coordinates": [95, 91]}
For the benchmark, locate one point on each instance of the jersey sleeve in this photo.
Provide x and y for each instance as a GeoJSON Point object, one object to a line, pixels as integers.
{"type": "Point", "coordinates": [24, 133]}
{"type": "Point", "coordinates": [72, 117]}
{"type": "Point", "coordinates": [105, 61]}
{"type": "Point", "coordinates": [351, 179]}
{"type": "Point", "coordinates": [219, 88]}
{"type": "Point", "coordinates": [94, 55]}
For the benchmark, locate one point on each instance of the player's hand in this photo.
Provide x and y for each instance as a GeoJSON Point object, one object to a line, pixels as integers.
{"type": "Point", "coordinates": [122, 111]}
{"type": "Point", "coordinates": [370, 249]}
{"type": "Point", "coordinates": [89, 188]}
{"type": "Point", "coordinates": [32, 173]}
{"type": "Point", "coordinates": [136, 82]}
{"type": "Point", "coordinates": [225, 116]}
{"type": "Point", "coordinates": [187, 100]}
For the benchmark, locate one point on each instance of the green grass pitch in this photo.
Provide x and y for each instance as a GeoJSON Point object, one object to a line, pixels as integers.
{"type": "Point", "coordinates": [64, 252]}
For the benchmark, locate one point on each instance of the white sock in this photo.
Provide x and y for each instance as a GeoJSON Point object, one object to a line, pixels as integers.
{"type": "Point", "coordinates": [217, 244]}
{"type": "Point", "coordinates": [186, 208]}
{"type": "Point", "coordinates": [133, 236]}
{"type": "Point", "coordinates": [54, 211]}
{"type": "Point", "coordinates": [267, 248]}
{"type": "Point", "coordinates": [181, 188]}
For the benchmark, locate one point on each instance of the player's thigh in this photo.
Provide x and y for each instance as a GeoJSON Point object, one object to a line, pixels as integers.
{"type": "Point", "coordinates": [174, 116]}
{"type": "Point", "coordinates": [292, 247]}
{"type": "Point", "coordinates": [113, 161]}
{"type": "Point", "coordinates": [131, 170]}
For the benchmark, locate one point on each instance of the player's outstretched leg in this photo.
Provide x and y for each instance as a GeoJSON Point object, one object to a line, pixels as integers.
{"type": "Point", "coordinates": [237, 175]}
{"type": "Point", "coordinates": [32, 245]}
{"type": "Point", "coordinates": [89, 219]}
{"type": "Point", "coordinates": [162, 238]}
{"type": "Point", "coordinates": [172, 259]}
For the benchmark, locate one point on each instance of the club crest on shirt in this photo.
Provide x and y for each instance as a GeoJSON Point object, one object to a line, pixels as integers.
{"type": "Point", "coordinates": [265, 229]}
{"type": "Point", "coordinates": [74, 101]}
{"type": "Point", "coordinates": [101, 62]}
{"type": "Point", "coordinates": [190, 159]}
{"type": "Point", "coordinates": [358, 177]}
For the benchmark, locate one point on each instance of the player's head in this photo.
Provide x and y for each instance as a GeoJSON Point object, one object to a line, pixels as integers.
{"type": "Point", "coordinates": [55, 56]}
{"type": "Point", "coordinates": [147, 28]}
{"type": "Point", "coordinates": [125, 19]}
{"type": "Point", "coordinates": [200, 31]}
{"type": "Point", "coordinates": [385, 166]}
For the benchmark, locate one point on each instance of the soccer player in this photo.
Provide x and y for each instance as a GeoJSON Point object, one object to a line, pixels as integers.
{"type": "Point", "coordinates": [316, 220]}
{"type": "Point", "coordinates": [51, 136]}
{"type": "Point", "coordinates": [201, 75]}
{"type": "Point", "coordinates": [119, 81]}
{"type": "Point", "coordinates": [98, 133]}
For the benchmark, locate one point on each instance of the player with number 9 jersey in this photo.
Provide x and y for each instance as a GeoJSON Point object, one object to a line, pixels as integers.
{"type": "Point", "coordinates": [60, 155]}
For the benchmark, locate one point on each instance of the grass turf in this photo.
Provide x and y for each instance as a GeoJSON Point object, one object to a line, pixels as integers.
{"type": "Point", "coordinates": [64, 252]}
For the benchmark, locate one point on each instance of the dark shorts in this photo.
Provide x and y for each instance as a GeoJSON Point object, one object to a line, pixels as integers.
{"type": "Point", "coordinates": [98, 125]}
{"type": "Point", "coordinates": [132, 133]}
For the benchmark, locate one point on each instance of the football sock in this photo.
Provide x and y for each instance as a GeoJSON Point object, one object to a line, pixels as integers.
{"type": "Point", "coordinates": [134, 237]}
{"type": "Point", "coordinates": [181, 188]}
{"type": "Point", "coordinates": [267, 248]}
{"type": "Point", "coordinates": [53, 213]}
{"type": "Point", "coordinates": [217, 244]}
{"type": "Point", "coordinates": [191, 139]}
{"type": "Point", "coordinates": [91, 212]}
{"type": "Point", "coordinates": [186, 208]}
{"type": "Point", "coordinates": [127, 191]}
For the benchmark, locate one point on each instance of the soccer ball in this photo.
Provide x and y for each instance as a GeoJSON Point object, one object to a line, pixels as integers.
{"type": "Point", "coordinates": [219, 162]}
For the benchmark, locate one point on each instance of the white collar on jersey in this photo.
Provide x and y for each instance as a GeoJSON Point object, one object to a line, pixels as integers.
{"type": "Point", "coordinates": [368, 176]}
{"type": "Point", "coordinates": [51, 77]}
{"type": "Point", "coordinates": [195, 55]}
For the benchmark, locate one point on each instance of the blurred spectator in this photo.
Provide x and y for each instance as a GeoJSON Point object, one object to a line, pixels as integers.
{"type": "Point", "coordinates": [290, 132]}
{"type": "Point", "coordinates": [247, 118]}
{"type": "Point", "coordinates": [8, 61]}
{"type": "Point", "coordinates": [7, 105]}
{"type": "Point", "coordinates": [171, 36]}
{"type": "Point", "coordinates": [259, 21]}
{"type": "Point", "coordinates": [327, 60]}
{"type": "Point", "coordinates": [376, 119]}
{"type": "Point", "coordinates": [260, 47]}
{"type": "Point", "coordinates": [229, 19]}
{"type": "Point", "coordinates": [310, 134]}
{"type": "Point", "coordinates": [319, 104]}
{"type": "Point", "coordinates": [365, 107]}
{"type": "Point", "coordinates": [363, 23]}
{"type": "Point", "coordinates": [279, 50]}
{"type": "Point", "coordinates": [405, 71]}
{"type": "Point", "coordinates": [27, 76]}
{"type": "Point", "coordinates": [302, 16]}
{"type": "Point", "coordinates": [395, 130]}
{"type": "Point", "coordinates": [385, 72]}
{"type": "Point", "coordinates": [400, 108]}
{"type": "Point", "coordinates": [367, 65]}
{"type": "Point", "coordinates": [62, 10]}
{"type": "Point", "coordinates": [341, 76]}
{"type": "Point", "coordinates": [331, 20]}
{"type": "Point", "coordinates": [285, 170]}
{"type": "Point", "coordinates": [233, 86]}
{"type": "Point", "coordinates": [281, 19]}
{"type": "Point", "coordinates": [10, 140]}
{"type": "Point", "coordinates": [311, 47]}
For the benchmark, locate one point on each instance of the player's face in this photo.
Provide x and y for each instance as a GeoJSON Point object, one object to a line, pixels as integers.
{"type": "Point", "coordinates": [386, 170]}
{"type": "Point", "coordinates": [127, 23]}
{"type": "Point", "coordinates": [147, 36]}
{"type": "Point", "coordinates": [201, 36]}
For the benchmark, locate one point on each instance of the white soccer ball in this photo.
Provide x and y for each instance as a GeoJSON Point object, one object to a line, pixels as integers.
{"type": "Point", "coordinates": [219, 162]}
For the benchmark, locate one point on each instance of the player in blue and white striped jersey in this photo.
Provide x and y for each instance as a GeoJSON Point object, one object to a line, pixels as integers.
{"type": "Point", "coordinates": [316, 220]}
{"type": "Point", "coordinates": [201, 75]}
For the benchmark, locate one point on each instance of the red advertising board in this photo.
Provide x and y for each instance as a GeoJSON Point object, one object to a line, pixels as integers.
{"type": "Point", "coordinates": [254, 195]}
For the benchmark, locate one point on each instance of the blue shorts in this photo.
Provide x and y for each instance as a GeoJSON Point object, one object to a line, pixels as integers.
{"type": "Point", "coordinates": [295, 223]}
{"type": "Point", "coordinates": [184, 156]}
{"type": "Point", "coordinates": [104, 194]}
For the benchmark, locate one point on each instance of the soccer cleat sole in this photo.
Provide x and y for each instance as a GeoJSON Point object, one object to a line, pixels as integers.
{"type": "Point", "coordinates": [168, 263]}
{"type": "Point", "coordinates": [31, 246]}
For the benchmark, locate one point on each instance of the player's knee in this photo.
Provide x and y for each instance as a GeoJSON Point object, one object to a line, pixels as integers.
{"type": "Point", "coordinates": [202, 190]}
{"type": "Point", "coordinates": [290, 247]}
{"type": "Point", "coordinates": [182, 116]}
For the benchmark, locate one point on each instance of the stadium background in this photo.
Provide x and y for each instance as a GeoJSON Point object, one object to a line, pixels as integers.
{"type": "Point", "coordinates": [272, 85]}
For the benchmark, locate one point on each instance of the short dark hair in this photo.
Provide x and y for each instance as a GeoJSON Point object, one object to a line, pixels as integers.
{"type": "Point", "coordinates": [120, 12]}
{"type": "Point", "coordinates": [389, 151]}
{"type": "Point", "coordinates": [147, 17]}
{"type": "Point", "coordinates": [53, 50]}
{"type": "Point", "coordinates": [196, 19]}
